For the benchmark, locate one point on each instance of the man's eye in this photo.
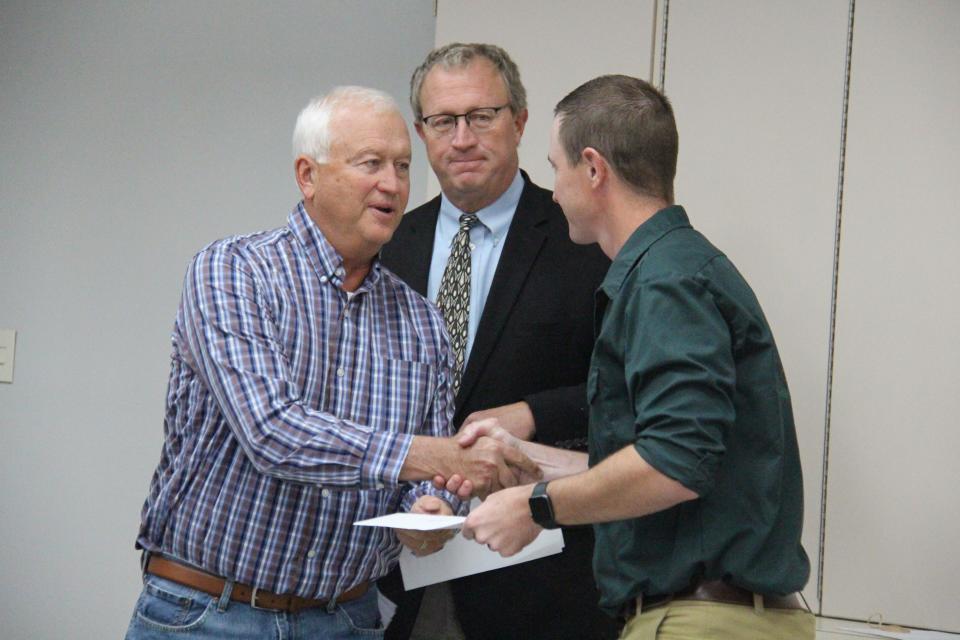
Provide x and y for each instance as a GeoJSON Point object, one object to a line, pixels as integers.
{"type": "Point", "coordinates": [443, 122]}
{"type": "Point", "coordinates": [403, 167]}
{"type": "Point", "coordinates": [482, 119]}
{"type": "Point", "coordinates": [372, 164]}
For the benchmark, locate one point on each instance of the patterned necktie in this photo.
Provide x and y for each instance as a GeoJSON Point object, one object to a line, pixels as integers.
{"type": "Point", "coordinates": [454, 295]}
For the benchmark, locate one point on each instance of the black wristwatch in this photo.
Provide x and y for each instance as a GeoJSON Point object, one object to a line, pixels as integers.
{"type": "Point", "coordinates": [541, 508]}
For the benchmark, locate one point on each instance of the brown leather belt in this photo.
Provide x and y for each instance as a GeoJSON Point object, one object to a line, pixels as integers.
{"type": "Point", "coordinates": [257, 598]}
{"type": "Point", "coordinates": [715, 591]}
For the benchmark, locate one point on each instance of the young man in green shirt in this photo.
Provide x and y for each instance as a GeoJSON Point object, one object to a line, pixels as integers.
{"type": "Point", "coordinates": [693, 478]}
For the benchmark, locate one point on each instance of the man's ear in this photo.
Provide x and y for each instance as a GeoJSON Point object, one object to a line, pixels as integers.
{"type": "Point", "coordinates": [305, 169]}
{"type": "Point", "coordinates": [596, 166]}
{"type": "Point", "coordinates": [520, 123]}
{"type": "Point", "coordinates": [419, 127]}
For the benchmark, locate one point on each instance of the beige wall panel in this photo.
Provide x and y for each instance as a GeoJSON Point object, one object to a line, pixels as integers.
{"type": "Point", "coordinates": [558, 45]}
{"type": "Point", "coordinates": [893, 522]}
{"type": "Point", "coordinates": [757, 89]}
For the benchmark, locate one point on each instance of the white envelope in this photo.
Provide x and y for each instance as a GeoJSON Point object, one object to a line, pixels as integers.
{"type": "Point", "coordinates": [461, 557]}
{"type": "Point", "coordinates": [417, 521]}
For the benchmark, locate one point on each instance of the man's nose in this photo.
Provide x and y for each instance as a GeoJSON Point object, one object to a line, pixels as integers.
{"type": "Point", "coordinates": [463, 135]}
{"type": "Point", "coordinates": [390, 180]}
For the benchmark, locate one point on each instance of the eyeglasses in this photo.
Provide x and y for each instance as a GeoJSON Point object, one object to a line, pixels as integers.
{"type": "Point", "coordinates": [479, 120]}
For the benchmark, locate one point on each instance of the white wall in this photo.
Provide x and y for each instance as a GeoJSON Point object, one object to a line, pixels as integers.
{"type": "Point", "coordinates": [131, 134]}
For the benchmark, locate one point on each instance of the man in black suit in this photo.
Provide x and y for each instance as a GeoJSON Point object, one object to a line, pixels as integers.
{"type": "Point", "coordinates": [529, 330]}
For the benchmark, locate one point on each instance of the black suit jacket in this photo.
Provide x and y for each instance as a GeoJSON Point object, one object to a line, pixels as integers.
{"type": "Point", "coordinates": [533, 343]}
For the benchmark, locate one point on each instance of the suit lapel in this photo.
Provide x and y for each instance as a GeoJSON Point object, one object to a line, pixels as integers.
{"type": "Point", "coordinates": [520, 251]}
{"type": "Point", "coordinates": [416, 250]}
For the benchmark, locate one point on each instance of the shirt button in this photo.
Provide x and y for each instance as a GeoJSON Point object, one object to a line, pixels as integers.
{"type": "Point", "coordinates": [325, 493]}
{"type": "Point", "coordinates": [379, 485]}
{"type": "Point", "coordinates": [323, 278]}
{"type": "Point", "coordinates": [340, 372]}
{"type": "Point", "coordinates": [311, 554]}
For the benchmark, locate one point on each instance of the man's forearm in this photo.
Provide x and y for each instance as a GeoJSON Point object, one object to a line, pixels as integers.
{"type": "Point", "coordinates": [429, 457]}
{"type": "Point", "coordinates": [488, 464]}
{"type": "Point", "coordinates": [622, 486]}
{"type": "Point", "coordinates": [555, 463]}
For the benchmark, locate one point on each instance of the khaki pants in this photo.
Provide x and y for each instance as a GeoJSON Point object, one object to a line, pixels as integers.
{"type": "Point", "coordinates": [697, 620]}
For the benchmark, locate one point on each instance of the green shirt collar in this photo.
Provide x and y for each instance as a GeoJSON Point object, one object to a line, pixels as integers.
{"type": "Point", "coordinates": [659, 225]}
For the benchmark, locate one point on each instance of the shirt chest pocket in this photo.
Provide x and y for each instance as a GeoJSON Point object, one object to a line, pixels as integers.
{"type": "Point", "coordinates": [403, 393]}
{"type": "Point", "coordinates": [605, 425]}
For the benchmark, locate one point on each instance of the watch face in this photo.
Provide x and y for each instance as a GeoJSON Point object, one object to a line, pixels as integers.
{"type": "Point", "coordinates": [542, 509]}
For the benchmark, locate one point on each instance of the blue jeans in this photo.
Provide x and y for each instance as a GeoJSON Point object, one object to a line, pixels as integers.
{"type": "Point", "coordinates": [168, 610]}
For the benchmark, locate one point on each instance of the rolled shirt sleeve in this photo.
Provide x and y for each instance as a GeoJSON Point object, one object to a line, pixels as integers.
{"type": "Point", "coordinates": [681, 373]}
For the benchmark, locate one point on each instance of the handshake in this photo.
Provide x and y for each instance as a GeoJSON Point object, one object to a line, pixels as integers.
{"type": "Point", "coordinates": [491, 459]}
{"type": "Point", "coordinates": [483, 458]}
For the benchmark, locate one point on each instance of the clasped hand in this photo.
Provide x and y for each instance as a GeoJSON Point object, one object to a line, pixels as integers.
{"type": "Point", "coordinates": [502, 522]}
{"type": "Point", "coordinates": [423, 543]}
{"type": "Point", "coordinates": [486, 464]}
{"type": "Point", "coordinates": [493, 460]}
{"type": "Point", "coordinates": [490, 460]}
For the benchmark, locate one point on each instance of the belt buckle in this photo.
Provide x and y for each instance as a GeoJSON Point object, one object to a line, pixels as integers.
{"type": "Point", "coordinates": [253, 601]}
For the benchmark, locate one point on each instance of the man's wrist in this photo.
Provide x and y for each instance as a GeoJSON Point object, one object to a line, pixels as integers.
{"type": "Point", "coordinates": [429, 456]}
{"type": "Point", "coordinates": [541, 507]}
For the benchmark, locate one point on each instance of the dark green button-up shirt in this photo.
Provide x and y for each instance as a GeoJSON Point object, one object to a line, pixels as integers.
{"type": "Point", "coordinates": [685, 369]}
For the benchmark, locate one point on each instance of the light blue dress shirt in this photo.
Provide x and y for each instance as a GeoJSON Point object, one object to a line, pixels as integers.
{"type": "Point", "coordinates": [486, 240]}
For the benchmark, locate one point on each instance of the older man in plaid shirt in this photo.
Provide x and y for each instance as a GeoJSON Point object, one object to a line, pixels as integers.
{"type": "Point", "coordinates": [309, 388]}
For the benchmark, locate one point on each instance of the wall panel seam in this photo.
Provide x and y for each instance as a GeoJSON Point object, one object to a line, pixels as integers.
{"type": "Point", "coordinates": [653, 39]}
{"type": "Point", "coordinates": [848, 56]}
{"type": "Point", "coordinates": [663, 46]}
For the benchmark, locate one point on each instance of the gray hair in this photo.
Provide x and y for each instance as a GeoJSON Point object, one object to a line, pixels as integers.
{"type": "Point", "coordinates": [630, 124]}
{"type": "Point", "coordinates": [312, 135]}
{"type": "Point", "coordinates": [458, 55]}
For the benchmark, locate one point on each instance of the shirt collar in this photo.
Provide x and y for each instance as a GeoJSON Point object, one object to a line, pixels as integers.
{"type": "Point", "coordinates": [496, 216]}
{"type": "Point", "coordinates": [324, 258]}
{"type": "Point", "coordinates": [659, 225]}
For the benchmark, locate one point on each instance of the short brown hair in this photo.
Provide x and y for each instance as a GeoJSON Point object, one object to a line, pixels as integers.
{"type": "Point", "coordinates": [630, 124]}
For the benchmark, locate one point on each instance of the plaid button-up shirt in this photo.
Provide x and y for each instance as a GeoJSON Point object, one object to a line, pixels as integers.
{"type": "Point", "coordinates": [290, 409]}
